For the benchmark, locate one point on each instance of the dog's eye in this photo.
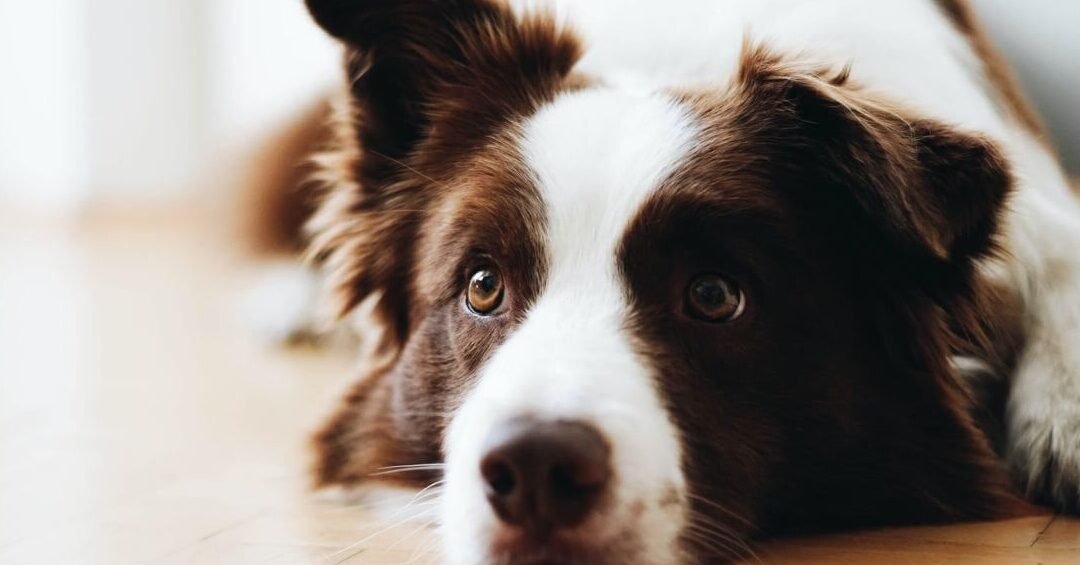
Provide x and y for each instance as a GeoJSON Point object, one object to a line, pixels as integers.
{"type": "Point", "coordinates": [713, 298]}
{"type": "Point", "coordinates": [485, 293]}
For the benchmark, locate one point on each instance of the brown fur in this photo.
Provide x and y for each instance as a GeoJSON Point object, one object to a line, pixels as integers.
{"type": "Point", "coordinates": [431, 82]}
{"type": "Point", "coordinates": [279, 198]}
{"type": "Point", "coordinates": [853, 224]}
{"type": "Point", "coordinates": [994, 335]}
{"type": "Point", "coordinates": [900, 209]}
{"type": "Point", "coordinates": [365, 437]}
{"type": "Point", "coordinates": [398, 413]}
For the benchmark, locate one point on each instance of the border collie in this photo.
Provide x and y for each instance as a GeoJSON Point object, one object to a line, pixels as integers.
{"type": "Point", "coordinates": [657, 278]}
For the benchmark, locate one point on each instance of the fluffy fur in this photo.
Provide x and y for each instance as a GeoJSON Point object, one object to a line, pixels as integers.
{"type": "Point", "coordinates": [868, 172]}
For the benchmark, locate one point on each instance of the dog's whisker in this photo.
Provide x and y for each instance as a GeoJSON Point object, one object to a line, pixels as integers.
{"type": "Point", "coordinates": [397, 469]}
{"type": "Point", "coordinates": [435, 485]}
{"type": "Point", "coordinates": [381, 507]}
{"type": "Point", "coordinates": [429, 492]}
{"type": "Point", "coordinates": [424, 496]}
{"type": "Point", "coordinates": [720, 507]}
{"type": "Point", "coordinates": [400, 471]}
{"type": "Point", "coordinates": [415, 466]}
{"type": "Point", "coordinates": [719, 530]}
{"type": "Point", "coordinates": [424, 548]}
{"type": "Point", "coordinates": [376, 534]}
{"type": "Point", "coordinates": [428, 496]}
{"type": "Point", "coordinates": [715, 546]}
{"type": "Point", "coordinates": [711, 530]}
{"type": "Point", "coordinates": [418, 472]}
{"type": "Point", "coordinates": [706, 542]}
{"type": "Point", "coordinates": [426, 525]}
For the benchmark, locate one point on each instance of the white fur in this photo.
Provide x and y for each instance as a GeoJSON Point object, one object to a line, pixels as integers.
{"type": "Point", "coordinates": [596, 155]}
{"type": "Point", "coordinates": [1043, 412]}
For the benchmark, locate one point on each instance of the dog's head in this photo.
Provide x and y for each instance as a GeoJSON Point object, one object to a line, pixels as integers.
{"type": "Point", "coordinates": [640, 326]}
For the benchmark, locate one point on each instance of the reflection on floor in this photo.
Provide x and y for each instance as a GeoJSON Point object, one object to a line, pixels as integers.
{"type": "Point", "coordinates": [141, 423]}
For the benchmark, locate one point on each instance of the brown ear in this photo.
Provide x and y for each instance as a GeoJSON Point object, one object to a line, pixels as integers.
{"type": "Point", "coordinates": [430, 80]}
{"type": "Point", "coordinates": [363, 441]}
{"type": "Point", "coordinates": [932, 190]}
{"type": "Point", "coordinates": [422, 67]}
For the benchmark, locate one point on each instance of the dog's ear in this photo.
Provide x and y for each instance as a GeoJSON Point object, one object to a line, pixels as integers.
{"type": "Point", "coordinates": [909, 204]}
{"type": "Point", "coordinates": [935, 193]}
{"type": "Point", "coordinates": [429, 81]}
{"type": "Point", "coordinates": [442, 68]}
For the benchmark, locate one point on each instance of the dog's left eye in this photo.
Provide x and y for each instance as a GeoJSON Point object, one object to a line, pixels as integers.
{"type": "Point", "coordinates": [714, 298]}
{"type": "Point", "coordinates": [485, 293]}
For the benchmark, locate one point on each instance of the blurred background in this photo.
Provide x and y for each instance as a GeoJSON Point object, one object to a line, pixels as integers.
{"type": "Point", "coordinates": [137, 102]}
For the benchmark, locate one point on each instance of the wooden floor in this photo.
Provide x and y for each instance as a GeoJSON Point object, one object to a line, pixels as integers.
{"type": "Point", "coordinates": [140, 422]}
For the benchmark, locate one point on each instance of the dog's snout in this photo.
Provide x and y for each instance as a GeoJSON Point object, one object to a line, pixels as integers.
{"type": "Point", "coordinates": [543, 476]}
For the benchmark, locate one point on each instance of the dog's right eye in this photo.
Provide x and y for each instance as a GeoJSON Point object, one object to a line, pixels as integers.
{"type": "Point", "coordinates": [485, 293]}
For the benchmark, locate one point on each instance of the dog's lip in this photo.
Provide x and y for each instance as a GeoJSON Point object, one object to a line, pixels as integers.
{"type": "Point", "coordinates": [537, 560]}
{"type": "Point", "coordinates": [547, 557]}
{"type": "Point", "coordinates": [562, 548]}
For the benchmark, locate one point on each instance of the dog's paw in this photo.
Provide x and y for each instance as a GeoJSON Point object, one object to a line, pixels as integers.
{"type": "Point", "coordinates": [1043, 415]}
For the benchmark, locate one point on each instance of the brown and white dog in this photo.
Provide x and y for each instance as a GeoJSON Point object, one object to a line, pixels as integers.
{"type": "Point", "coordinates": [659, 277]}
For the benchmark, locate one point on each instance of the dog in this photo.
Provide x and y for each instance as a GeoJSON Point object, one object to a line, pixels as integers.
{"type": "Point", "coordinates": [657, 279]}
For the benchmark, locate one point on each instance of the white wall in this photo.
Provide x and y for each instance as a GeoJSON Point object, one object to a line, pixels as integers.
{"type": "Point", "coordinates": [43, 122]}
{"type": "Point", "coordinates": [147, 96]}
{"type": "Point", "coordinates": [1041, 38]}
{"type": "Point", "coordinates": [133, 101]}
{"type": "Point", "coordinates": [269, 58]}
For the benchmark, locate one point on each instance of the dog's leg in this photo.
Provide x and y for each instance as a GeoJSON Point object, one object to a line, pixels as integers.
{"type": "Point", "coordinates": [1043, 409]}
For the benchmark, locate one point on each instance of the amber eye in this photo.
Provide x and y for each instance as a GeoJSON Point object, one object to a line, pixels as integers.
{"type": "Point", "coordinates": [485, 293]}
{"type": "Point", "coordinates": [713, 298]}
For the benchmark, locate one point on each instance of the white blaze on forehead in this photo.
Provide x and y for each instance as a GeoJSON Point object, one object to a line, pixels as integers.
{"type": "Point", "coordinates": [597, 155]}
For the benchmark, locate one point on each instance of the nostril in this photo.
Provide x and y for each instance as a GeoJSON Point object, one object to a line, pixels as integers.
{"type": "Point", "coordinates": [498, 476]}
{"type": "Point", "coordinates": [578, 478]}
{"type": "Point", "coordinates": [564, 483]}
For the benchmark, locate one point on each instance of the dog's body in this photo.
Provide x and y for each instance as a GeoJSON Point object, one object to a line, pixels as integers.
{"type": "Point", "coordinates": [717, 269]}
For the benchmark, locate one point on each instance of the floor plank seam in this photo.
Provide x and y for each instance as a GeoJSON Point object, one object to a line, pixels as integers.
{"type": "Point", "coordinates": [1043, 531]}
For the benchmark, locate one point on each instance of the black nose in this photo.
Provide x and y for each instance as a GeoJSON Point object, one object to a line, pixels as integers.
{"type": "Point", "coordinates": [542, 476]}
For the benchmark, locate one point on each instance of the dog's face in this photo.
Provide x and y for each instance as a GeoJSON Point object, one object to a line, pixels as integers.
{"type": "Point", "coordinates": [639, 327]}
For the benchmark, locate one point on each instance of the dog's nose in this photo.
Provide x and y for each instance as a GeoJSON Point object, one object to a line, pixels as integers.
{"type": "Point", "coordinates": [542, 476]}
